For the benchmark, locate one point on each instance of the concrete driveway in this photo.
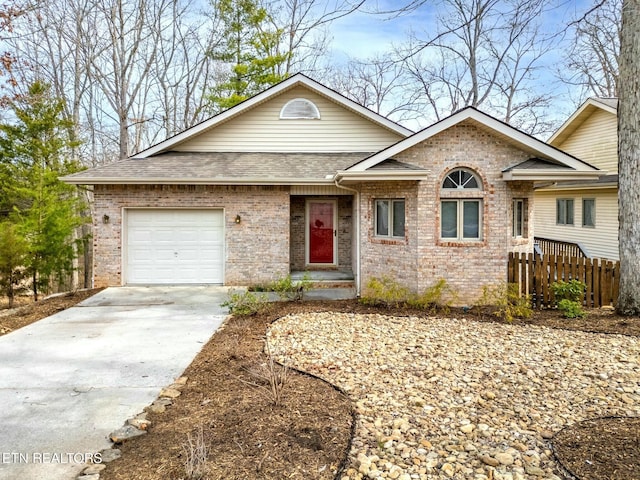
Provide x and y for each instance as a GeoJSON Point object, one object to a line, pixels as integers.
{"type": "Point", "coordinates": [68, 381]}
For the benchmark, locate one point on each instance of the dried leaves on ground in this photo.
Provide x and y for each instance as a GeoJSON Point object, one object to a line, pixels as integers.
{"type": "Point", "coordinates": [26, 311]}
{"type": "Point", "coordinates": [307, 436]}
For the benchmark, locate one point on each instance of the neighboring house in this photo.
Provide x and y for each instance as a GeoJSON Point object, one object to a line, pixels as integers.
{"type": "Point", "coordinates": [300, 178]}
{"type": "Point", "coordinates": [585, 212]}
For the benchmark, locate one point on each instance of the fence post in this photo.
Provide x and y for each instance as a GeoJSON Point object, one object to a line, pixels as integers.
{"type": "Point", "coordinates": [596, 283]}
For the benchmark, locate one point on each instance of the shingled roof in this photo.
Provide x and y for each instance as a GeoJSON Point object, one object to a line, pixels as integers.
{"type": "Point", "coordinates": [221, 168]}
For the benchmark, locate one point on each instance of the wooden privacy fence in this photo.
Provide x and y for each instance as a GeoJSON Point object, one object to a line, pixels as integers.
{"type": "Point", "coordinates": [535, 273]}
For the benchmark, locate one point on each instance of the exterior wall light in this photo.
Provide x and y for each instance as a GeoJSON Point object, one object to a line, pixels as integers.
{"type": "Point", "coordinates": [105, 218]}
{"type": "Point", "coordinates": [238, 219]}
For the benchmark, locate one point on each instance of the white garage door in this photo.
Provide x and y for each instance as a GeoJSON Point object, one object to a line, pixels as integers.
{"type": "Point", "coordinates": [174, 246]}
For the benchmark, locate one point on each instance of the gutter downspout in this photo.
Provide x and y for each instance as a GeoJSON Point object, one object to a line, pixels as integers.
{"type": "Point", "coordinates": [357, 216]}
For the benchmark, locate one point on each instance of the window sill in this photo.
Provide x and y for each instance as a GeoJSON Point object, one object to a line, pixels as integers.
{"type": "Point", "coordinates": [389, 240]}
{"type": "Point", "coordinates": [461, 243]}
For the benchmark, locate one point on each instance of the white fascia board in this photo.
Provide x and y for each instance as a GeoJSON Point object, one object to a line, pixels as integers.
{"type": "Point", "coordinates": [551, 175]}
{"type": "Point", "coordinates": [514, 134]}
{"type": "Point", "coordinates": [290, 82]}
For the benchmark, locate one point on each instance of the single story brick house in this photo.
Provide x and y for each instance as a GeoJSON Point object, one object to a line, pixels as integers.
{"type": "Point", "coordinates": [300, 178]}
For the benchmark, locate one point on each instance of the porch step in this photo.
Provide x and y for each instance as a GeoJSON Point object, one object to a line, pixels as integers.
{"type": "Point", "coordinates": [330, 294]}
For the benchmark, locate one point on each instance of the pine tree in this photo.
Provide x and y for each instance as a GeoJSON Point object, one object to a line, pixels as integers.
{"type": "Point", "coordinates": [34, 153]}
{"type": "Point", "coordinates": [251, 47]}
{"type": "Point", "coordinates": [12, 256]}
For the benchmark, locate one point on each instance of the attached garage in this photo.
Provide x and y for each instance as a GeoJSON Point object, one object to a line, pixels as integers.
{"type": "Point", "coordinates": [174, 246]}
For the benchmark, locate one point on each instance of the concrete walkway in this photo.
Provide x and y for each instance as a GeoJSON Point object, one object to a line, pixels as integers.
{"type": "Point", "coordinates": [68, 381]}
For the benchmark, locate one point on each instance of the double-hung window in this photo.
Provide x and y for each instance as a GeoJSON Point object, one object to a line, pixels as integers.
{"type": "Point", "coordinates": [564, 211]}
{"type": "Point", "coordinates": [461, 218]}
{"type": "Point", "coordinates": [588, 212]}
{"type": "Point", "coordinates": [389, 218]}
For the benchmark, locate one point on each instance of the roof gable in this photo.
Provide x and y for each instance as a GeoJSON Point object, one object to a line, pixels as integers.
{"type": "Point", "coordinates": [536, 148]}
{"type": "Point", "coordinates": [387, 130]}
{"type": "Point", "coordinates": [586, 110]}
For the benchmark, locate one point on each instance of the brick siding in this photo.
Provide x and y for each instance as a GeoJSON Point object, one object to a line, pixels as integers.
{"type": "Point", "coordinates": [256, 250]}
{"type": "Point", "coordinates": [423, 258]}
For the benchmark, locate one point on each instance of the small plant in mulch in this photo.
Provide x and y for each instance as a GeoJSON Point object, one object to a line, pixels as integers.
{"type": "Point", "coordinates": [196, 455]}
{"type": "Point", "coordinates": [569, 296]}
{"type": "Point", "coordinates": [505, 301]}
{"type": "Point", "coordinates": [438, 297]}
{"type": "Point", "coordinates": [245, 303]}
{"type": "Point", "coordinates": [286, 288]}
{"type": "Point", "coordinates": [386, 292]}
{"type": "Point", "coordinates": [271, 378]}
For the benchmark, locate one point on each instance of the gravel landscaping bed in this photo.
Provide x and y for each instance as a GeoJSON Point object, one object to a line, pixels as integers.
{"type": "Point", "coordinates": [451, 398]}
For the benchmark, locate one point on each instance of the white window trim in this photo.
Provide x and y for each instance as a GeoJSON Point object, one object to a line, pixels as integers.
{"type": "Point", "coordinates": [460, 220]}
{"type": "Point", "coordinates": [316, 115]}
{"type": "Point", "coordinates": [391, 201]}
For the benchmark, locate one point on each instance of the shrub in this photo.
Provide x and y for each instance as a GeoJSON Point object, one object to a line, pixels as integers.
{"type": "Point", "coordinates": [385, 291]}
{"type": "Point", "coordinates": [287, 289]}
{"type": "Point", "coordinates": [439, 296]}
{"type": "Point", "coordinates": [569, 296]}
{"type": "Point", "coordinates": [245, 303]}
{"type": "Point", "coordinates": [572, 290]}
{"type": "Point", "coordinates": [507, 301]}
{"type": "Point", "coordinates": [570, 309]}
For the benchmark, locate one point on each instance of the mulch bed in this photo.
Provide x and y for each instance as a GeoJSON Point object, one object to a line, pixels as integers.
{"type": "Point", "coordinates": [26, 311]}
{"type": "Point", "coordinates": [602, 448]}
{"type": "Point", "coordinates": [308, 434]}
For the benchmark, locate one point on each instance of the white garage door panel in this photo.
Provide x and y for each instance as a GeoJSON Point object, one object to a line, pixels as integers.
{"type": "Point", "coordinates": [174, 246]}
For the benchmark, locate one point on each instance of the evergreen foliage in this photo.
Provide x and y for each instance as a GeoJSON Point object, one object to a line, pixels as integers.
{"type": "Point", "coordinates": [251, 46]}
{"type": "Point", "coordinates": [34, 153]}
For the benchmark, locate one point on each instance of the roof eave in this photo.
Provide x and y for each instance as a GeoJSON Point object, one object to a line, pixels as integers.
{"type": "Point", "coordinates": [581, 186]}
{"type": "Point", "coordinates": [551, 175]}
{"type": "Point", "coordinates": [196, 181]}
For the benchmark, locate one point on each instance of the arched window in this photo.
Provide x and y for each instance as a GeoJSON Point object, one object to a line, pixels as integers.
{"type": "Point", "coordinates": [461, 206]}
{"type": "Point", "coordinates": [299, 109]}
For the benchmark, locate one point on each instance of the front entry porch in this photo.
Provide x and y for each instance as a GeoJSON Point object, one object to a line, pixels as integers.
{"type": "Point", "coordinates": [321, 236]}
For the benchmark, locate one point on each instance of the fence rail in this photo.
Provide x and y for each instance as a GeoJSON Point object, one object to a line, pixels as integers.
{"type": "Point", "coordinates": [549, 246]}
{"type": "Point", "coordinates": [535, 273]}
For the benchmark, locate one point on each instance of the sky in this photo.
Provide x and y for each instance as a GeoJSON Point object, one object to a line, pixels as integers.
{"type": "Point", "coordinates": [362, 35]}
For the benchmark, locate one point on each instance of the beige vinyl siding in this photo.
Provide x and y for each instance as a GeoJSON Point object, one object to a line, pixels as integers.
{"type": "Point", "coordinates": [262, 130]}
{"type": "Point", "coordinates": [595, 141]}
{"type": "Point", "coordinates": [601, 241]}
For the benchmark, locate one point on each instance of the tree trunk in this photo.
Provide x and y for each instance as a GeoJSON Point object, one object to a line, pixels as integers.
{"type": "Point", "coordinates": [629, 160]}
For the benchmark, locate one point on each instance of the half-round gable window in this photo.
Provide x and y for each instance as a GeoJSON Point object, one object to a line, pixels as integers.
{"type": "Point", "coordinates": [299, 108]}
{"type": "Point", "coordinates": [461, 179]}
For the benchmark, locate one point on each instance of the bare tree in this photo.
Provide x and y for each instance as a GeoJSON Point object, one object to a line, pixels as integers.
{"type": "Point", "coordinates": [486, 53]}
{"type": "Point", "coordinates": [592, 60]}
{"type": "Point", "coordinates": [304, 24]}
{"type": "Point", "coordinates": [376, 83]}
{"type": "Point", "coordinates": [629, 160]}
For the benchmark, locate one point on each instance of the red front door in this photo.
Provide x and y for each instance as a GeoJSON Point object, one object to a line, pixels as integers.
{"type": "Point", "coordinates": [321, 232]}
